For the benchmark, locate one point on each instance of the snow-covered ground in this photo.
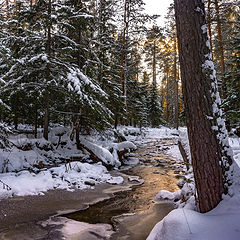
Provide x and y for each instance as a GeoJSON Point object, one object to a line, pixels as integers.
{"type": "Point", "coordinates": [33, 166]}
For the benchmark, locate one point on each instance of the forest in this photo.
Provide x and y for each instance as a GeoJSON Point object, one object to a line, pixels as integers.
{"type": "Point", "coordinates": [87, 87]}
{"type": "Point", "coordinates": [105, 63]}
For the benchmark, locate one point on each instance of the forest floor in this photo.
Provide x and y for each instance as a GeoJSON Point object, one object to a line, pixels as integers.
{"type": "Point", "coordinates": [121, 204]}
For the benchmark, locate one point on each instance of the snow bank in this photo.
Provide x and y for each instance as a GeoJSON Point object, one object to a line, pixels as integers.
{"type": "Point", "coordinates": [235, 144]}
{"type": "Point", "coordinates": [81, 176]}
{"type": "Point", "coordinates": [222, 223]}
{"type": "Point", "coordinates": [166, 195]}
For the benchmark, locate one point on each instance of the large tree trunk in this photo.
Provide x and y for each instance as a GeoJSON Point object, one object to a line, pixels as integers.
{"type": "Point", "coordinates": [206, 151]}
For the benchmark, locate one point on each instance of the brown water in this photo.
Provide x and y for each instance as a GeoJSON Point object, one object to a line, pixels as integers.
{"type": "Point", "coordinates": [134, 213]}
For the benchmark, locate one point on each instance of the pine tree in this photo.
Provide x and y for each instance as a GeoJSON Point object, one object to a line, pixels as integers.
{"type": "Point", "coordinates": [209, 146]}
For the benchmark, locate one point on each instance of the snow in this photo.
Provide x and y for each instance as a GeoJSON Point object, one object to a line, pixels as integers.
{"type": "Point", "coordinates": [80, 230]}
{"type": "Point", "coordinates": [62, 177]}
{"type": "Point", "coordinates": [131, 161]}
{"type": "Point", "coordinates": [161, 133]}
{"type": "Point", "coordinates": [198, 9]}
{"type": "Point", "coordinates": [100, 152]}
{"type": "Point", "coordinates": [166, 195]}
{"type": "Point", "coordinates": [204, 28]}
{"type": "Point", "coordinates": [124, 145]}
{"type": "Point", "coordinates": [222, 223]}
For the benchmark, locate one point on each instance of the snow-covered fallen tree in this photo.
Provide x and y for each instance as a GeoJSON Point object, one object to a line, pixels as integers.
{"type": "Point", "coordinates": [98, 153]}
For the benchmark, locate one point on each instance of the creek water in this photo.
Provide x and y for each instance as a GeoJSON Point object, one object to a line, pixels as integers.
{"type": "Point", "coordinates": [134, 213]}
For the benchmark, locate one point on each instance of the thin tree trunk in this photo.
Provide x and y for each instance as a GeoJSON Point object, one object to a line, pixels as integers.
{"type": "Point", "coordinates": [123, 77]}
{"type": "Point", "coordinates": [78, 129]}
{"type": "Point", "coordinates": [167, 96]}
{"type": "Point", "coordinates": [79, 31]}
{"type": "Point", "coordinates": [206, 151]}
{"type": "Point", "coordinates": [116, 120]}
{"type": "Point", "coordinates": [154, 81]}
{"type": "Point", "coordinates": [48, 50]}
{"type": "Point", "coordinates": [7, 6]}
{"type": "Point", "coordinates": [123, 42]}
{"type": "Point", "coordinates": [220, 42]}
{"type": "Point", "coordinates": [176, 84]}
{"type": "Point", "coordinates": [35, 123]}
{"type": "Point", "coordinates": [209, 26]}
{"type": "Point", "coordinates": [46, 117]}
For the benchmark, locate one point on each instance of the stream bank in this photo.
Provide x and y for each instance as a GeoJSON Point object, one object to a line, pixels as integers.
{"type": "Point", "coordinates": [26, 217]}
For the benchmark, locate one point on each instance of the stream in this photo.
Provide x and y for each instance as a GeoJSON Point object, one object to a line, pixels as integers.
{"type": "Point", "coordinates": [134, 213]}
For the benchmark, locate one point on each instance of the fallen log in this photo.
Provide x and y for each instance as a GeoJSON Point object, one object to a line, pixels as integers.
{"type": "Point", "coordinates": [184, 154]}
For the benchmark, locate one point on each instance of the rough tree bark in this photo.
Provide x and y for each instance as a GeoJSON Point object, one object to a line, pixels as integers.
{"type": "Point", "coordinates": [206, 152]}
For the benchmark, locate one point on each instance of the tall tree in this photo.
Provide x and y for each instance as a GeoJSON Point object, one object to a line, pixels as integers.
{"type": "Point", "coordinates": [206, 129]}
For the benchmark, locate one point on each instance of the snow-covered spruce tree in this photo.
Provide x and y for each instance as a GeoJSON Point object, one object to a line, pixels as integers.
{"type": "Point", "coordinates": [223, 28]}
{"type": "Point", "coordinates": [152, 51]}
{"type": "Point", "coordinates": [210, 151]}
{"type": "Point", "coordinates": [3, 67]}
{"type": "Point", "coordinates": [133, 98]}
{"type": "Point", "coordinates": [43, 57]}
